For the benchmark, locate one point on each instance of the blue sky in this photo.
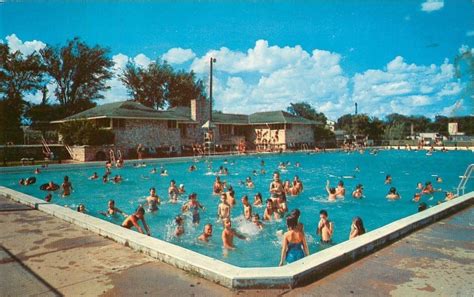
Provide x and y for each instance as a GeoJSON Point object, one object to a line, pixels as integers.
{"type": "Point", "coordinates": [389, 56]}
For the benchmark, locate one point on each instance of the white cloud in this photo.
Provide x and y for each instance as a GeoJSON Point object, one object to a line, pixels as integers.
{"type": "Point", "coordinates": [470, 33]}
{"type": "Point", "coordinates": [142, 60]}
{"type": "Point", "coordinates": [26, 48]}
{"type": "Point", "coordinates": [120, 61]}
{"type": "Point", "coordinates": [178, 55]}
{"type": "Point", "coordinates": [405, 88]}
{"type": "Point", "coordinates": [432, 5]}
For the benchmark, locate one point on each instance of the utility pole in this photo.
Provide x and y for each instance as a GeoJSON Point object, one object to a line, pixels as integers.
{"type": "Point", "coordinates": [211, 61]}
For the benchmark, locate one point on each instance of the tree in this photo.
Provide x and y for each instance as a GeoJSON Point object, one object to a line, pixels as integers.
{"type": "Point", "coordinates": [158, 85]}
{"type": "Point", "coordinates": [464, 66]}
{"type": "Point", "coordinates": [18, 75]}
{"type": "Point", "coordinates": [305, 110]}
{"type": "Point", "coordinates": [79, 72]}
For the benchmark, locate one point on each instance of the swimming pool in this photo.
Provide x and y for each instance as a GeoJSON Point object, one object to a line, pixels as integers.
{"type": "Point", "coordinates": [406, 168]}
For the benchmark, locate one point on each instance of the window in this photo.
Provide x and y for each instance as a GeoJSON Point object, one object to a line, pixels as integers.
{"type": "Point", "coordinates": [118, 123]}
{"type": "Point", "coordinates": [172, 124]}
{"type": "Point", "coordinates": [225, 129]}
{"type": "Point", "coordinates": [277, 126]}
{"type": "Point", "coordinates": [103, 123]}
{"type": "Point", "coordinates": [183, 129]}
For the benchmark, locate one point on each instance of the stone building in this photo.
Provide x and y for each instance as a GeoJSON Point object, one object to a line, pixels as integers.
{"type": "Point", "coordinates": [177, 129]}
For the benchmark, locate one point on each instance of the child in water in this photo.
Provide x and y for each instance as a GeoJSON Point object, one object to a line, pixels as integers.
{"type": "Point", "coordinates": [325, 227]}
{"type": "Point", "coordinates": [193, 205]}
{"type": "Point", "coordinates": [133, 221]}
{"type": "Point", "coordinates": [66, 186]}
{"type": "Point", "coordinates": [247, 207]}
{"type": "Point", "coordinates": [179, 226]}
{"type": "Point", "coordinates": [206, 234]}
{"type": "Point", "coordinates": [228, 235]}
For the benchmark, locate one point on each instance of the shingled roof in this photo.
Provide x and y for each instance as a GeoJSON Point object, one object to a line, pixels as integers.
{"type": "Point", "coordinates": [125, 110]}
{"type": "Point", "coordinates": [135, 110]}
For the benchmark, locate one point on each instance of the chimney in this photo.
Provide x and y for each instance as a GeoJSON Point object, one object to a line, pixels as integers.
{"type": "Point", "coordinates": [194, 110]}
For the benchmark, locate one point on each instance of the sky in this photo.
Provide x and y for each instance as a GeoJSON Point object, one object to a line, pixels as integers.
{"type": "Point", "coordinates": [387, 56]}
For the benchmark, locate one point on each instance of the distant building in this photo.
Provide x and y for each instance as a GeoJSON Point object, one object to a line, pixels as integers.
{"type": "Point", "coordinates": [180, 127]}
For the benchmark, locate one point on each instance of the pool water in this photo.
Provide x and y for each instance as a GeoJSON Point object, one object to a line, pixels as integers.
{"type": "Point", "coordinates": [407, 168]}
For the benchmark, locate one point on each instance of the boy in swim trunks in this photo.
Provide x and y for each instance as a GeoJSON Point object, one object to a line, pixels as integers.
{"type": "Point", "coordinates": [228, 235]}
{"type": "Point", "coordinates": [247, 207]}
{"type": "Point", "coordinates": [206, 234]}
{"type": "Point", "coordinates": [325, 227]}
{"type": "Point", "coordinates": [132, 221]}
{"type": "Point", "coordinates": [223, 210]}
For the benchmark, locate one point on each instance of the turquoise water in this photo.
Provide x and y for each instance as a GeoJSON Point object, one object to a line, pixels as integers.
{"type": "Point", "coordinates": [263, 248]}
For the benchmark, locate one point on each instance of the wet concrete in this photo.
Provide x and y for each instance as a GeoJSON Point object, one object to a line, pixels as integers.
{"type": "Point", "coordinates": [43, 255]}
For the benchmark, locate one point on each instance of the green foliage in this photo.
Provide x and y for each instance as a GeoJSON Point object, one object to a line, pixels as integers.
{"type": "Point", "coordinates": [159, 85]}
{"type": "Point", "coordinates": [79, 72]}
{"type": "Point", "coordinates": [18, 75]}
{"type": "Point", "coordinates": [84, 133]}
{"type": "Point", "coordinates": [305, 110]}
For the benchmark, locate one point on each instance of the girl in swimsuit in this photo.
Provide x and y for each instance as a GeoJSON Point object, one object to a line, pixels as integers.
{"type": "Point", "coordinates": [357, 228]}
{"type": "Point", "coordinates": [153, 200]}
{"type": "Point", "coordinates": [294, 246]}
{"type": "Point", "coordinates": [193, 205]}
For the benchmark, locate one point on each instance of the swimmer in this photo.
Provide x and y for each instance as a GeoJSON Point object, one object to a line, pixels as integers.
{"type": "Point", "coordinates": [133, 220]}
{"type": "Point", "coordinates": [193, 205]}
{"type": "Point", "coordinates": [230, 196]}
{"type": "Point", "coordinates": [276, 187]}
{"type": "Point", "coordinates": [37, 171]}
{"type": "Point", "coordinates": [179, 226]}
{"type": "Point", "coordinates": [439, 179]}
{"type": "Point", "coordinates": [340, 190]}
{"type": "Point", "coordinates": [249, 183]}
{"type": "Point", "coordinates": [117, 179]}
{"type": "Point", "coordinates": [228, 235]}
{"type": "Point", "coordinates": [449, 196]}
{"type": "Point", "coordinates": [256, 221]}
{"type": "Point", "coordinates": [153, 171]}
{"type": "Point", "coordinates": [287, 187]}
{"type": "Point", "coordinates": [153, 200]}
{"type": "Point", "coordinates": [358, 192]}
{"type": "Point", "coordinates": [164, 172]}
{"type": "Point", "coordinates": [269, 211]}
{"type": "Point", "coordinates": [416, 197]}
{"type": "Point", "coordinates": [206, 234]}
{"type": "Point", "coordinates": [297, 164]}
{"type": "Point", "coordinates": [81, 208]}
{"type": "Point", "coordinates": [325, 227]}
{"type": "Point", "coordinates": [297, 187]}
{"type": "Point", "coordinates": [48, 197]}
{"type": "Point", "coordinates": [173, 192]}
{"type": "Point", "coordinates": [331, 192]}
{"type": "Point", "coordinates": [428, 188]}
{"type": "Point", "coordinates": [294, 245]}
{"type": "Point", "coordinates": [105, 178]}
{"type": "Point", "coordinates": [29, 181]}
{"type": "Point", "coordinates": [282, 208]}
{"type": "Point", "coordinates": [192, 168]}
{"type": "Point", "coordinates": [217, 187]}
{"type": "Point", "coordinates": [223, 209]}
{"type": "Point", "coordinates": [247, 207]}
{"type": "Point", "coordinates": [51, 186]}
{"type": "Point", "coordinates": [257, 199]}
{"type": "Point", "coordinates": [422, 206]}
{"type": "Point", "coordinates": [357, 228]}
{"type": "Point", "coordinates": [94, 176]}
{"type": "Point", "coordinates": [393, 194]}
{"type": "Point", "coordinates": [296, 213]}
{"type": "Point", "coordinates": [419, 186]}
{"type": "Point", "coordinates": [181, 189]}
{"type": "Point", "coordinates": [388, 179]}
{"type": "Point", "coordinates": [66, 186]}
{"type": "Point", "coordinates": [112, 210]}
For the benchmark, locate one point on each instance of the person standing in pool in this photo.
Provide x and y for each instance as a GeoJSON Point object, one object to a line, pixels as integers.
{"type": "Point", "coordinates": [358, 192]}
{"type": "Point", "coordinates": [179, 226]}
{"type": "Point", "coordinates": [269, 211]}
{"type": "Point", "coordinates": [133, 221]}
{"type": "Point", "coordinates": [331, 192]}
{"type": "Point", "coordinates": [173, 192]}
{"type": "Point", "coordinates": [206, 234]}
{"type": "Point", "coordinates": [228, 235]}
{"type": "Point", "coordinates": [325, 227]}
{"type": "Point", "coordinates": [294, 245]}
{"type": "Point", "coordinates": [247, 207]}
{"type": "Point", "coordinates": [193, 205]}
{"type": "Point", "coordinates": [276, 187]}
{"type": "Point", "coordinates": [112, 210]}
{"type": "Point", "coordinates": [223, 210]}
{"type": "Point", "coordinates": [393, 194]}
{"type": "Point", "coordinates": [66, 186]}
{"type": "Point", "coordinates": [340, 190]}
{"type": "Point", "coordinates": [153, 200]}
{"type": "Point", "coordinates": [357, 228]}
{"type": "Point", "coordinates": [218, 186]}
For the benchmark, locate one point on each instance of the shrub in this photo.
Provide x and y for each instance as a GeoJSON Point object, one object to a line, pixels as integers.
{"type": "Point", "coordinates": [84, 133]}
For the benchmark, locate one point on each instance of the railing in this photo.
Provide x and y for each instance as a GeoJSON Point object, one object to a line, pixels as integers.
{"type": "Point", "coordinates": [464, 179]}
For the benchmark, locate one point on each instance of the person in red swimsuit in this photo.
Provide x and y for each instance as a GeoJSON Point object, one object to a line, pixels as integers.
{"type": "Point", "coordinates": [133, 219]}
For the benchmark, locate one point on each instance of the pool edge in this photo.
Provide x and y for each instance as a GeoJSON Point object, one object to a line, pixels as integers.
{"type": "Point", "coordinates": [309, 269]}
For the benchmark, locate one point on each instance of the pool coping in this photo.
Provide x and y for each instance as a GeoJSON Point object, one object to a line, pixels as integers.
{"type": "Point", "coordinates": [306, 270]}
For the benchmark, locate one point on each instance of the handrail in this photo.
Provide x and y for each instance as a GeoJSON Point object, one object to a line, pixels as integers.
{"type": "Point", "coordinates": [464, 179]}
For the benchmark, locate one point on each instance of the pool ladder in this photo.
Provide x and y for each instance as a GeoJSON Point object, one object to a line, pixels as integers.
{"type": "Point", "coordinates": [464, 179]}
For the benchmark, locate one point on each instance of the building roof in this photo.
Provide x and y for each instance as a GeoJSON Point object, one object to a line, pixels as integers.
{"type": "Point", "coordinates": [278, 117]}
{"type": "Point", "coordinates": [135, 110]}
{"type": "Point", "coordinates": [124, 110]}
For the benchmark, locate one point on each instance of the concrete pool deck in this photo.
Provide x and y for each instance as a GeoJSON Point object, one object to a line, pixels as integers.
{"type": "Point", "coordinates": [43, 255]}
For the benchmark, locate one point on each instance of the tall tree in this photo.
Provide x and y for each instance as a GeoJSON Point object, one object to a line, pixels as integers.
{"type": "Point", "coordinates": [159, 85]}
{"type": "Point", "coordinates": [18, 75]}
{"type": "Point", "coordinates": [464, 66]}
{"type": "Point", "coordinates": [79, 72]}
{"type": "Point", "coordinates": [305, 110]}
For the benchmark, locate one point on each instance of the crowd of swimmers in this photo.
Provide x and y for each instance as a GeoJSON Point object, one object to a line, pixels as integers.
{"type": "Point", "coordinates": [294, 245]}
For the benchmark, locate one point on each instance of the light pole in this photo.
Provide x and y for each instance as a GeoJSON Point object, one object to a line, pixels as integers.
{"type": "Point", "coordinates": [211, 61]}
